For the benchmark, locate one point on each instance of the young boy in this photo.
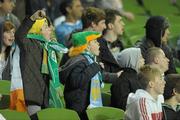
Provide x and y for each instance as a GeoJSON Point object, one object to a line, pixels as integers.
{"type": "Point", "coordinates": [82, 75]}
{"type": "Point", "coordinates": [145, 104]}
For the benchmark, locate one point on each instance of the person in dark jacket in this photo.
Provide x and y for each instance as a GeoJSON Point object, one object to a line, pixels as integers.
{"type": "Point", "coordinates": [36, 56]}
{"type": "Point", "coordinates": [82, 75]}
{"type": "Point", "coordinates": [156, 36]}
{"type": "Point", "coordinates": [171, 107]}
{"type": "Point", "coordinates": [131, 60]}
{"type": "Point", "coordinates": [114, 28]}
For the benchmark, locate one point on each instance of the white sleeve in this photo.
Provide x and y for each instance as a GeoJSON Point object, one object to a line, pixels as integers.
{"type": "Point", "coordinates": [144, 109]}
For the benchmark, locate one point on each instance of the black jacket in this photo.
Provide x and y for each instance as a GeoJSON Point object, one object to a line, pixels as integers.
{"type": "Point", "coordinates": [120, 89]}
{"type": "Point", "coordinates": [77, 74]}
{"type": "Point", "coordinates": [170, 114]}
{"type": "Point", "coordinates": [106, 57]}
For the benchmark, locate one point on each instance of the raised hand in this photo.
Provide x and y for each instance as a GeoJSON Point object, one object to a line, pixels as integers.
{"type": "Point", "coordinates": [39, 14]}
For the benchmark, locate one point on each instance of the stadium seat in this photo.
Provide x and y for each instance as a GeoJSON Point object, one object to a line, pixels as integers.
{"type": "Point", "coordinates": [4, 91]}
{"type": "Point", "coordinates": [14, 115]}
{"type": "Point", "coordinates": [105, 113]}
{"type": "Point", "coordinates": [106, 99]}
{"type": "Point", "coordinates": [5, 87]}
{"type": "Point", "coordinates": [57, 114]}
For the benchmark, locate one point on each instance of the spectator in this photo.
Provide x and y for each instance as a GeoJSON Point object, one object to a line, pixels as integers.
{"type": "Point", "coordinates": [156, 36]}
{"type": "Point", "coordinates": [130, 60]}
{"type": "Point", "coordinates": [82, 74]}
{"type": "Point", "coordinates": [33, 38]}
{"type": "Point", "coordinates": [114, 28]}
{"type": "Point", "coordinates": [6, 7]}
{"type": "Point", "coordinates": [156, 57]}
{"type": "Point", "coordinates": [171, 107]}
{"type": "Point", "coordinates": [93, 19]}
{"type": "Point", "coordinates": [146, 102]}
{"type": "Point", "coordinates": [72, 10]}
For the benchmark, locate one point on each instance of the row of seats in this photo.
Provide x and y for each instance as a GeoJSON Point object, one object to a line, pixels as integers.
{"type": "Point", "coordinates": [101, 113]}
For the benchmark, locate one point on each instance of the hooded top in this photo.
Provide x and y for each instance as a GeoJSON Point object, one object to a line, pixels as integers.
{"type": "Point", "coordinates": [142, 106]}
{"type": "Point", "coordinates": [129, 58]}
{"type": "Point", "coordinates": [155, 29]}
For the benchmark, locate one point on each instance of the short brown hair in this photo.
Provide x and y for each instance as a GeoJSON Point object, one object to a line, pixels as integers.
{"type": "Point", "coordinates": [151, 54]}
{"type": "Point", "coordinates": [172, 82]}
{"type": "Point", "coordinates": [146, 74]}
{"type": "Point", "coordinates": [92, 14]}
{"type": "Point", "coordinates": [8, 26]}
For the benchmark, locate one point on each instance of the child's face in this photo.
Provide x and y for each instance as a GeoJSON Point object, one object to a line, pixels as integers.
{"type": "Point", "coordinates": [159, 84]}
{"type": "Point", "coordinates": [7, 6]}
{"type": "Point", "coordinates": [46, 31]}
{"type": "Point", "coordinates": [94, 47]}
{"type": "Point", "coordinates": [8, 37]}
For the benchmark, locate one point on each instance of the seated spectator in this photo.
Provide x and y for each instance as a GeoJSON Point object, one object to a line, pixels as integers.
{"type": "Point", "coordinates": [72, 10]}
{"type": "Point", "coordinates": [171, 107]}
{"type": "Point", "coordinates": [131, 60]}
{"type": "Point", "coordinates": [145, 103]}
{"type": "Point", "coordinates": [82, 75]}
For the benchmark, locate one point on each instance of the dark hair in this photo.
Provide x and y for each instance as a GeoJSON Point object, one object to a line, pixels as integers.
{"type": "Point", "coordinates": [64, 4]}
{"type": "Point", "coordinates": [155, 29]}
{"type": "Point", "coordinates": [111, 15]}
{"type": "Point", "coordinates": [172, 82]}
{"type": "Point", "coordinates": [146, 74]}
{"type": "Point", "coordinates": [92, 14]}
{"type": "Point", "coordinates": [5, 26]}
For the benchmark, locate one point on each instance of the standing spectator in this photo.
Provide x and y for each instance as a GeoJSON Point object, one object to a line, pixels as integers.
{"type": "Point", "coordinates": [38, 61]}
{"type": "Point", "coordinates": [82, 75]}
{"type": "Point", "coordinates": [146, 102]}
{"type": "Point", "coordinates": [156, 36]}
{"type": "Point", "coordinates": [130, 60]}
{"type": "Point", "coordinates": [6, 7]}
{"type": "Point", "coordinates": [72, 10]}
{"type": "Point", "coordinates": [171, 106]}
{"type": "Point", "coordinates": [156, 57]}
{"type": "Point", "coordinates": [114, 28]}
{"type": "Point", "coordinates": [93, 19]}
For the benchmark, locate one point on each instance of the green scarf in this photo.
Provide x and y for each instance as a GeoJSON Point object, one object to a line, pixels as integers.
{"type": "Point", "coordinates": [56, 98]}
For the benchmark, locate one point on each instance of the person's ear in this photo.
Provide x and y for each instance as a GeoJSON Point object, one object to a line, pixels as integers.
{"type": "Point", "coordinates": [151, 84]}
{"type": "Point", "coordinates": [68, 9]}
{"type": "Point", "coordinates": [93, 24]}
{"type": "Point", "coordinates": [174, 92]}
{"type": "Point", "coordinates": [156, 60]}
{"type": "Point", "coordinates": [110, 26]}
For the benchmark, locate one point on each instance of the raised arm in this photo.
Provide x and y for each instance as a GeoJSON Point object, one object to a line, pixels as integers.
{"type": "Point", "coordinates": [26, 25]}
